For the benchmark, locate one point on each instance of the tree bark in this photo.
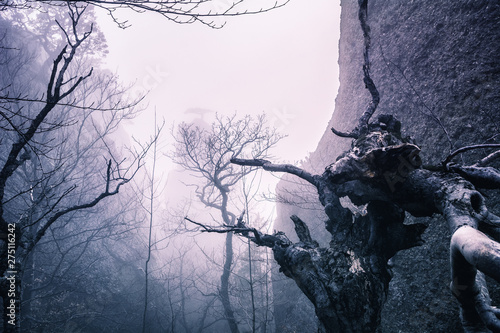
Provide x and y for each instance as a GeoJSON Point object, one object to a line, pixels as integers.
{"type": "Point", "coordinates": [348, 281]}
{"type": "Point", "coordinates": [224, 285]}
{"type": "Point", "coordinates": [228, 262]}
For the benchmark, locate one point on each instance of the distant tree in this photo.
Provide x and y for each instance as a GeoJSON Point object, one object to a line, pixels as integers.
{"type": "Point", "coordinates": [257, 277]}
{"type": "Point", "coordinates": [85, 279]}
{"type": "Point", "coordinates": [152, 182]}
{"type": "Point", "coordinates": [206, 154]}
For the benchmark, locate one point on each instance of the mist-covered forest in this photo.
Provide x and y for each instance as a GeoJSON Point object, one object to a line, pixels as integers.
{"type": "Point", "coordinates": [90, 242]}
{"type": "Point", "coordinates": [390, 225]}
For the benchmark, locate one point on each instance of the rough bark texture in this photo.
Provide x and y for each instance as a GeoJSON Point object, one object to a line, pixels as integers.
{"type": "Point", "coordinates": [347, 281]}
{"type": "Point", "coordinates": [436, 68]}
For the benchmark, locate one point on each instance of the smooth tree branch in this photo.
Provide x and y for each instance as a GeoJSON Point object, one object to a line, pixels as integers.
{"type": "Point", "coordinates": [488, 159]}
{"type": "Point", "coordinates": [468, 285]}
{"type": "Point", "coordinates": [467, 148]}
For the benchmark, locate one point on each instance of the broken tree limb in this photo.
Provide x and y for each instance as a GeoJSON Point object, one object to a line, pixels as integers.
{"type": "Point", "coordinates": [467, 148]}
{"type": "Point", "coordinates": [302, 231]}
{"type": "Point", "coordinates": [344, 135]}
{"type": "Point", "coordinates": [258, 238]}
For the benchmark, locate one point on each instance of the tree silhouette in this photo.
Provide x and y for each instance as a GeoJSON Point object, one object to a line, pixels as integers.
{"type": "Point", "coordinates": [207, 155]}
{"type": "Point", "coordinates": [42, 168]}
{"type": "Point", "coordinates": [183, 12]}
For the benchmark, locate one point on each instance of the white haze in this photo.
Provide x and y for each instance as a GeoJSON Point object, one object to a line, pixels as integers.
{"type": "Point", "coordinates": [283, 63]}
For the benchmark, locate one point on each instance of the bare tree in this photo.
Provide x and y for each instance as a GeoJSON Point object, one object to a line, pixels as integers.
{"type": "Point", "coordinates": [57, 186]}
{"type": "Point", "coordinates": [64, 286]}
{"type": "Point", "coordinates": [206, 154]}
{"type": "Point", "coordinates": [348, 281]}
{"type": "Point", "coordinates": [258, 275]}
{"type": "Point", "coordinates": [152, 182]}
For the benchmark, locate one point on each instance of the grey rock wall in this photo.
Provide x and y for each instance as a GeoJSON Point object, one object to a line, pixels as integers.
{"type": "Point", "coordinates": [436, 65]}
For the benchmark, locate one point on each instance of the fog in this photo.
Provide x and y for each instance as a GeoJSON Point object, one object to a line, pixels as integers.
{"type": "Point", "coordinates": [100, 191]}
{"type": "Point", "coordinates": [283, 63]}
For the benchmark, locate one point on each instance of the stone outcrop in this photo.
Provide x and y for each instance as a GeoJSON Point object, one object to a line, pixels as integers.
{"type": "Point", "coordinates": [436, 67]}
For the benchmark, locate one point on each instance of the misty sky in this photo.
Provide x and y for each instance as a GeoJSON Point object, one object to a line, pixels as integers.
{"type": "Point", "coordinates": [283, 63]}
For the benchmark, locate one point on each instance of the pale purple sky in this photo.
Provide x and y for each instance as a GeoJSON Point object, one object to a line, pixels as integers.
{"type": "Point", "coordinates": [283, 63]}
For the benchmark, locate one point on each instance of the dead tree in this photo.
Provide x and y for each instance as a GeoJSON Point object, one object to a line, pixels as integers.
{"type": "Point", "coordinates": [348, 281]}
{"type": "Point", "coordinates": [206, 154]}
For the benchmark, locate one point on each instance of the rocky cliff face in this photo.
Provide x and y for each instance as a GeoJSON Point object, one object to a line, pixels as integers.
{"type": "Point", "coordinates": [436, 65]}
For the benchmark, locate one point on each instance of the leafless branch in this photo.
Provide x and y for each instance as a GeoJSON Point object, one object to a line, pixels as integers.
{"type": "Point", "coordinates": [467, 148]}
{"type": "Point", "coordinates": [183, 12]}
{"type": "Point", "coordinates": [287, 168]}
{"type": "Point", "coordinates": [258, 238]}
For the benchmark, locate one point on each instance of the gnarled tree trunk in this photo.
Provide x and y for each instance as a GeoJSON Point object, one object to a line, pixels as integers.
{"type": "Point", "coordinates": [348, 282]}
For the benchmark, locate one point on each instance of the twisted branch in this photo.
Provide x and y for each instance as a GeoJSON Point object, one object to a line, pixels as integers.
{"type": "Point", "coordinates": [467, 148]}
{"type": "Point", "coordinates": [362, 127]}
